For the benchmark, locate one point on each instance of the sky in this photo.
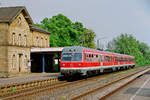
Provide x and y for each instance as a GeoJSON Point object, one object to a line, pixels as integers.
{"type": "Point", "coordinates": [107, 18]}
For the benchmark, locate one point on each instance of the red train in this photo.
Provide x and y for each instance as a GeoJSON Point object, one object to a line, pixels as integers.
{"type": "Point", "coordinates": [78, 60]}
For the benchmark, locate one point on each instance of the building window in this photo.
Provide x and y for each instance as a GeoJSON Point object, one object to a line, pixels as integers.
{"type": "Point", "coordinates": [45, 42]}
{"type": "Point", "coordinates": [13, 61]}
{"type": "Point", "coordinates": [36, 41]}
{"type": "Point", "coordinates": [25, 40]}
{"type": "Point", "coordinates": [41, 42]}
{"type": "Point", "coordinates": [19, 20]}
{"type": "Point", "coordinates": [13, 39]}
{"type": "Point", "coordinates": [19, 40]}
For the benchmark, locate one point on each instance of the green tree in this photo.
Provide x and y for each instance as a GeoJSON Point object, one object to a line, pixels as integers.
{"type": "Point", "coordinates": [87, 38]}
{"type": "Point", "coordinates": [127, 44]}
{"type": "Point", "coordinates": [145, 50]}
{"type": "Point", "coordinates": [66, 33]}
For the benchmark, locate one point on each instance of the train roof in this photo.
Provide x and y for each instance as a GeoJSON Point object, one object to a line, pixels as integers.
{"type": "Point", "coordinates": [80, 49]}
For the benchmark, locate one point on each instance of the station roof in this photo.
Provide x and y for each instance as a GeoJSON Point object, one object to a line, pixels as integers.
{"type": "Point", "coordinates": [34, 28]}
{"type": "Point", "coordinates": [47, 50]}
{"type": "Point", "coordinates": [8, 14]}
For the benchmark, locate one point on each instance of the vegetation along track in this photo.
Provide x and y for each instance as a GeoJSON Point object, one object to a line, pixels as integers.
{"type": "Point", "coordinates": [15, 88]}
{"type": "Point", "coordinates": [72, 90]}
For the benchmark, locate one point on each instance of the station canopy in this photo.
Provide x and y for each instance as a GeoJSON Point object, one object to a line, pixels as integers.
{"type": "Point", "coordinates": [47, 50]}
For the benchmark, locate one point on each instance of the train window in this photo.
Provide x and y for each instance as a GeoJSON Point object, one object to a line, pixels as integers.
{"type": "Point", "coordinates": [125, 59]}
{"type": "Point", "coordinates": [72, 57]}
{"type": "Point", "coordinates": [105, 58]}
{"type": "Point", "coordinates": [93, 58]}
{"type": "Point", "coordinates": [87, 56]}
{"type": "Point", "coordinates": [117, 59]}
{"type": "Point", "coordinates": [66, 56]}
{"type": "Point", "coordinates": [96, 56]}
{"type": "Point", "coordinates": [77, 57]}
{"type": "Point", "coordinates": [108, 58]}
{"type": "Point", "coordinates": [122, 59]}
{"type": "Point", "coordinates": [90, 57]}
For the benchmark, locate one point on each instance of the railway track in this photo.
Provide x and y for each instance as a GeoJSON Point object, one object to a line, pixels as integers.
{"type": "Point", "coordinates": [40, 88]}
{"type": "Point", "coordinates": [102, 92]}
{"type": "Point", "coordinates": [15, 88]}
{"type": "Point", "coordinates": [69, 90]}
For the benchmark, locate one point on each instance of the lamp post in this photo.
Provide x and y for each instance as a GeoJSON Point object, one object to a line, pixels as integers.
{"type": "Point", "coordinates": [99, 44]}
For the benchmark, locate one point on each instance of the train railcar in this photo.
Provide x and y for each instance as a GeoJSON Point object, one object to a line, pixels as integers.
{"type": "Point", "coordinates": [83, 61]}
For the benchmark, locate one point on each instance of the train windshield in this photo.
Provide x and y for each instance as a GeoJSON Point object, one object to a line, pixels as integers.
{"type": "Point", "coordinates": [72, 57]}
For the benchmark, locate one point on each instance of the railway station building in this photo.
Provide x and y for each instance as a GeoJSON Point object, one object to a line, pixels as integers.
{"type": "Point", "coordinates": [17, 36]}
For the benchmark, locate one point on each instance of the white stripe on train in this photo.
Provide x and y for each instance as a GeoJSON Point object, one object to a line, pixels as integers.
{"type": "Point", "coordinates": [97, 67]}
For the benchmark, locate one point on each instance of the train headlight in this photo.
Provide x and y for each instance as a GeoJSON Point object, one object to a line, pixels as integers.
{"type": "Point", "coordinates": [79, 64]}
{"type": "Point", "coordinates": [63, 65]}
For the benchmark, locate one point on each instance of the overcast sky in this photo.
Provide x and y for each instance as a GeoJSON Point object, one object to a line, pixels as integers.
{"type": "Point", "coordinates": [107, 18]}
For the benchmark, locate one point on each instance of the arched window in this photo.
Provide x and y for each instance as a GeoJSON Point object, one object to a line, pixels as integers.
{"type": "Point", "coordinates": [41, 42]}
{"type": "Point", "coordinates": [46, 42]}
{"type": "Point", "coordinates": [19, 20]}
{"type": "Point", "coordinates": [13, 62]}
{"type": "Point", "coordinates": [25, 40]}
{"type": "Point", "coordinates": [19, 40]}
{"type": "Point", "coordinates": [13, 38]}
{"type": "Point", "coordinates": [36, 41]}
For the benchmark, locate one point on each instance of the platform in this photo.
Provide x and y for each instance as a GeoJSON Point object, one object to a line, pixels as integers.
{"type": "Point", "coordinates": [137, 90]}
{"type": "Point", "coordinates": [27, 78]}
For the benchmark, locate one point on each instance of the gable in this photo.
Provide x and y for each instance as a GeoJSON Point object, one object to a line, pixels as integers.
{"type": "Point", "coordinates": [8, 14]}
{"type": "Point", "coordinates": [19, 23]}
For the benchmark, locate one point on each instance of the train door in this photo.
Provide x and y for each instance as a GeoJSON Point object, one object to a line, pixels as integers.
{"type": "Point", "coordinates": [112, 61]}
{"type": "Point", "coordinates": [85, 59]}
{"type": "Point", "coordinates": [101, 60]}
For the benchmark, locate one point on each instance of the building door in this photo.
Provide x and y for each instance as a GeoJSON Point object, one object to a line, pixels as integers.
{"type": "Point", "coordinates": [20, 62]}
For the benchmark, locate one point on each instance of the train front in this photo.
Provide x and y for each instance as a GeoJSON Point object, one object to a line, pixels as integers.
{"type": "Point", "coordinates": [71, 61]}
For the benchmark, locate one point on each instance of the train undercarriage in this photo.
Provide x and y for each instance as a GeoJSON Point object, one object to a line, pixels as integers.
{"type": "Point", "coordinates": [76, 73]}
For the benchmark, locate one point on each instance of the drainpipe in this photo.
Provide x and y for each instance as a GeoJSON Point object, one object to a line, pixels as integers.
{"type": "Point", "coordinates": [43, 63]}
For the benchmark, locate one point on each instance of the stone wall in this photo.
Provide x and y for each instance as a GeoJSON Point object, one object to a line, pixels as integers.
{"type": "Point", "coordinates": [3, 50]}
{"type": "Point", "coordinates": [19, 32]}
{"type": "Point", "coordinates": [3, 33]}
{"type": "Point", "coordinates": [16, 40]}
{"type": "Point", "coordinates": [18, 59]}
{"type": "Point", "coordinates": [19, 43]}
{"type": "Point", "coordinates": [3, 62]}
{"type": "Point", "coordinates": [40, 39]}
